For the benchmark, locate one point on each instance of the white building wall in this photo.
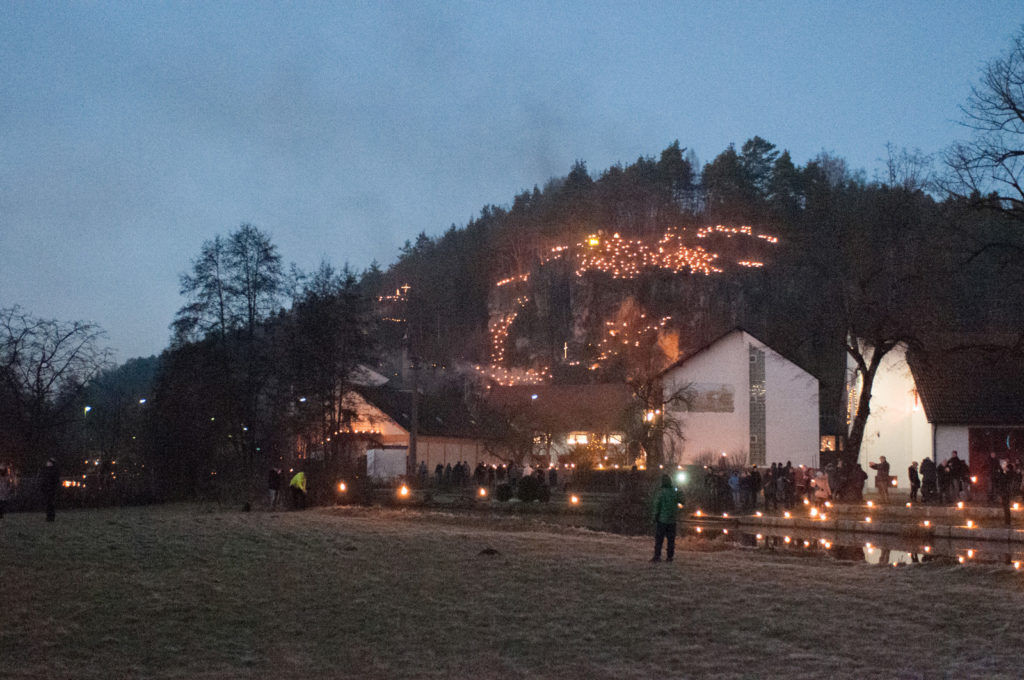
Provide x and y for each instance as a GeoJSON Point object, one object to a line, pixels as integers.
{"type": "Point", "coordinates": [950, 438]}
{"type": "Point", "coordinates": [791, 406]}
{"type": "Point", "coordinates": [791, 427]}
{"type": "Point", "coordinates": [724, 363]}
{"type": "Point", "coordinates": [897, 427]}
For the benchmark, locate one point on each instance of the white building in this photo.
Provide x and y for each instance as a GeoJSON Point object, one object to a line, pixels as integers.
{"type": "Point", "coordinates": [969, 400]}
{"type": "Point", "coordinates": [897, 427]}
{"type": "Point", "coordinates": [743, 399]}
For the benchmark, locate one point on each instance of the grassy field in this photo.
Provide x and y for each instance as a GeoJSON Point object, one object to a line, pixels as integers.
{"type": "Point", "coordinates": [189, 592]}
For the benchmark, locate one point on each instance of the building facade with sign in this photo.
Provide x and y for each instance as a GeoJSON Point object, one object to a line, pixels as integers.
{"type": "Point", "coordinates": [739, 397]}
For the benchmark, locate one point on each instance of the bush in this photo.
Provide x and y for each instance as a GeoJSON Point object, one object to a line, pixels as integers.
{"type": "Point", "coordinates": [532, 489]}
{"type": "Point", "coordinates": [503, 493]}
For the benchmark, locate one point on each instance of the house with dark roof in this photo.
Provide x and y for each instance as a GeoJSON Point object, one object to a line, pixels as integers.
{"type": "Point", "coordinates": [563, 416]}
{"type": "Point", "coordinates": [740, 398]}
{"type": "Point", "coordinates": [973, 397]}
{"type": "Point", "coordinates": [930, 403]}
{"type": "Point", "coordinates": [446, 431]}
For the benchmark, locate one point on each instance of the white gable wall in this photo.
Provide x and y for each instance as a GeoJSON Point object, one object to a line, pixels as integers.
{"type": "Point", "coordinates": [897, 427]}
{"type": "Point", "coordinates": [723, 363]}
{"type": "Point", "coordinates": [791, 405]}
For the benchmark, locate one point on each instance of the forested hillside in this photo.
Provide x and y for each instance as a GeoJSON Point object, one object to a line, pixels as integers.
{"type": "Point", "coordinates": [610, 278]}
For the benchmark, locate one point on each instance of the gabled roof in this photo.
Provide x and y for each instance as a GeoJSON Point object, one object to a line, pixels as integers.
{"type": "Point", "coordinates": [440, 415]}
{"type": "Point", "coordinates": [970, 386]}
{"type": "Point", "coordinates": [738, 329]}
{"type": "Point", "coordinates": [589, 408]}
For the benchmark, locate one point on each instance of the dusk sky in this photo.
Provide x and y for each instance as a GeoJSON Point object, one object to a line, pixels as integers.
{"type": "Point", "coordinates": [132, 132]}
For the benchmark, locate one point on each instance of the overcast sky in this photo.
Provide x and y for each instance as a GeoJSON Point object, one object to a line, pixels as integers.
{"type": "Point", "coordinates": [132, 132]}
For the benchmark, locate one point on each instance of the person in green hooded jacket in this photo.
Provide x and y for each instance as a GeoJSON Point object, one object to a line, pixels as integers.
{"type": "Point", "coordinates": [666, 508]}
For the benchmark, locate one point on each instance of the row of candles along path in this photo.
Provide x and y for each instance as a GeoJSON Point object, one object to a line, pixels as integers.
{"type": "Point", "coordinates": [816, 514]}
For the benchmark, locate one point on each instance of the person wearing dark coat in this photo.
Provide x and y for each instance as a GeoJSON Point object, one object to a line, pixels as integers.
{"type": "Point", "coordinates": [1002, 481]}
{"type": "Point", "coordinates": [51, 480]}
{"type": "Point", "coordinates": [915, 481]}
{"type": "Point", "coordinates": [945, 489]}
{"type": "Point", "coordinates": [929, 481]}
{"type": "Point", "coordinates": [666, 508]}
{"type": "Point", "coordinates": [755, 486]}
{"type": "Point", "coordinates": [273, 486]}
{"type": "Point", "coordinates": [857, 482]}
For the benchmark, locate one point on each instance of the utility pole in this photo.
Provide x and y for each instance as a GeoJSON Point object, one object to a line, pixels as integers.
{"type": "Point", "coordinates": [414, 418]}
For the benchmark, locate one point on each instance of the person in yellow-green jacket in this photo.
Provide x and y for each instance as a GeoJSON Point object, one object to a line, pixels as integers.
{"type": "Point", "coordinates": [298, 487]}
{"type": "Point", "coordinates": [666, 508]}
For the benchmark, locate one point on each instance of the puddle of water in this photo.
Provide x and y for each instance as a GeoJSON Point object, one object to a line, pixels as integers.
{"type": "Point", "coordinates": [875, 549]}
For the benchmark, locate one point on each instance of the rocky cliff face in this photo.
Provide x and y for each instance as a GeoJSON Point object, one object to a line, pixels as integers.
{"type": "Point", "coordinates": [594, 310]}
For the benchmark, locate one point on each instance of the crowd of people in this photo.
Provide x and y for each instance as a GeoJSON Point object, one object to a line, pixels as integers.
{"type": "Point", "coordinates": [459, 475]}
{"type": "Point", "coordinates": [786, 486]}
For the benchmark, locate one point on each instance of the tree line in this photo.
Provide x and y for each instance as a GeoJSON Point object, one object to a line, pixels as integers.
{"type": "Point", "coordinates": [261, 354]}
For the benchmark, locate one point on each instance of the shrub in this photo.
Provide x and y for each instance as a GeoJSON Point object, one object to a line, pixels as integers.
{"type": "Point", "coordinates": [532, 489]}
{"type": "Point", "coordinates": [503, 493]}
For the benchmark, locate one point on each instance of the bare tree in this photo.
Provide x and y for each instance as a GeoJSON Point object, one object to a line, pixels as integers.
{"type": "Point", "coordinates": [44, 365]}
{"type": "Point", "coordinates": [988, 169]}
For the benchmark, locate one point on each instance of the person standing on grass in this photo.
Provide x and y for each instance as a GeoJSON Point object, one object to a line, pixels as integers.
{"type": "Point", "coordinates": [274, 486]}
{"type": "Point", "coordinates": [666, 508]}
{"type": "Point", "coordinates": [915, 481]}
{"type": "Point", "coordinates": [51, 480]}
{"type": "Point", "coordinates": [1002, 482]}
{"type": "Point", "coordinates": [298, 487]}
{"type": "Point", "coordinates": [6, 488]}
